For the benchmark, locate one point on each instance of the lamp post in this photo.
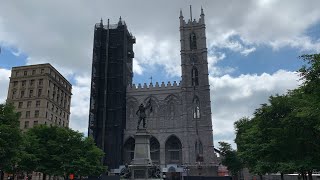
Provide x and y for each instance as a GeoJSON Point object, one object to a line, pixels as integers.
{"type": "Point", "coordinates": [186, 169]}
{"type": "Point", "coordinates": [199, 166]}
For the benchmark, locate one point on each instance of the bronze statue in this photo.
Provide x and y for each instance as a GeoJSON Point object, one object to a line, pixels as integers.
{"type": "Point", "coordinates": [141, 112]}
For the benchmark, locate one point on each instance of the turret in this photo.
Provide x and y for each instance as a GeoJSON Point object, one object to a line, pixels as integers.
{"type": "Point", "coordinates": [201, 16]}
{"type": "Point", "coordinates": [181, 19]}
{"type": "Point", "coordinates": [101, 23]}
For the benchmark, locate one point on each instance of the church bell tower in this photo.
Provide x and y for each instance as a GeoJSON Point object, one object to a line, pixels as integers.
{"type": "Point", "coordinates": [196, 89]}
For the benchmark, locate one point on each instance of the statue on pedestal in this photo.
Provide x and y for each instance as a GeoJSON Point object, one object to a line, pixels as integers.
{"type": "Point", "coordinates": [141, 112]}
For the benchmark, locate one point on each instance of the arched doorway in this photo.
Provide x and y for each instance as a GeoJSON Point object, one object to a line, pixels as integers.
{"type": "Point", "coordinates": [173, 149]}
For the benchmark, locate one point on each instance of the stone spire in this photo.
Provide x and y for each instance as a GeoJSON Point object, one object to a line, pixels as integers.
{"type": "Point", "coordinates": [202, 16]}
{"type": "Point", "coordinates": [181, 19]}
{"type": "Point", "coordinates": [101, 22]}
{"type": "Point", "coordinates": [120, 21]}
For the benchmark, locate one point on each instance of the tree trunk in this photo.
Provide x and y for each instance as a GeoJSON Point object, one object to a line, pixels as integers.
{"type": "Point", "coordinates": [1, 175]}
{"type": "Point", "coordinates": [44, 176]}
{"type": "Point", "coordinates": [310, 175]}
{"type": "Point", "coordinates": [303, 174]}
{"type": "Point", "coordinates": [282, 177]}
{"type": "Point", "coordinates": [260, 177]}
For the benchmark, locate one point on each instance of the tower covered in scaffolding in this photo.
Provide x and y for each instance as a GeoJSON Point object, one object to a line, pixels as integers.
{"type": "Point", "coordinates": [111, 73]}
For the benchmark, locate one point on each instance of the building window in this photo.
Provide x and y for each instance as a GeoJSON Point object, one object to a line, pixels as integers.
{"type": "Point", "coordinates": [49, 83]}
{"type": "Point", "coordinates": [22, 94]}
{"type": "Point", "coordinates": [52, 108]}
{"type": "Point", "coordinates": [36, 113]}
{"type": "Point", "coordinates": [23, 83]}
{"type": "Point", "coordinates": [35, 123]}
{"type": "Point", "coordinates": [46, 115]}
{"type": "Point", "coordinates": [173, 151]}
{"type": "Point", "coordinates": [51, 117]}
{"type": "Point", "coordinates": [40, 82]}
{"type": "Point", "coordinates": [194, 76]}
{"type": "Point", "coordinates": [193, 41]}
{"type": "Point", "coordinates": [129, 150]}
{"type": "Point", "coordinates": [42, 71]}
{"type": "Point", "coordinates": [17, 73]}
{"type": "Point", "coordinates": [29, 104]}
{"type": "Point", "coordinates": [56, 109]}
{"type": "Point", "coordinates": [27, 114]}
{"type": "Point", "coordinates": [25, 73]}
{"type": "Point", "coordinates": [33, 72]}
{"type": "Point", "coordinates": [20, 104]}
{"type": "Point", "coordinates": [196, 108]}
{"type": "Point", "coordinates": [39, 92]}
{"type": "Point", "coordinates": [37, 103]}
{"type": "Point", "coordinates": [48, 94]}
{"type": "Point", "coordinates": [26, 124]}
{"type": "Point", "coordinates": [30, 93]}
{"type": "Point", "coordinates": [14, 92]}
{"type": "Point", "coordinates": [47, 104]}
{"type": "Point", "coordinates": [199, 151]}
{"type": "Point", "coordinates": [62, 123]}
{"type": "Point", "coordinates": [64, 114]}
{"type": "Point", "coordinates": [15, 83]}
{"type": "Point", "coordinates": [155, 150]}
{"type": "Point", "coordinates": [31, 82]}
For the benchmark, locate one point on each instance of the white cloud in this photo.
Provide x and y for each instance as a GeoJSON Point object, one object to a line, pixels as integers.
{"type": "Point", "coordinates": [137, 68]}
{"type": "Point", "coordinates": [61, 32]}
{"type": "Point", "coordinates": [236, 97]}
{"type": "Point", "coordinates": [150, 51]}
{"type": "Point", "coordinates": [80, 104]}
{"type": "Point", "coordinates": [4, 84]}
{"type": "Point", "coordinates": [246, 52]}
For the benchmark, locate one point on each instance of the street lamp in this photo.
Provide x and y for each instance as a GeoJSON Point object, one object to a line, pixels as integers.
{"type": "Point", "coordinates": [186, 169]}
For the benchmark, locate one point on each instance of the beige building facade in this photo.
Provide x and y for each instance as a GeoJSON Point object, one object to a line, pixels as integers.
{"type": "Point", "coordinates": [41, 95]}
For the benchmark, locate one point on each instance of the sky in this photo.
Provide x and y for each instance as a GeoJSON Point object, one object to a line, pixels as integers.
{"type": "Point", "coordinates": [253, 47]}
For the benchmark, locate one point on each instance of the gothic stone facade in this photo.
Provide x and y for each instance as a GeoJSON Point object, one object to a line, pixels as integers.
{"type": "Point", "coordinates": [180, 123]}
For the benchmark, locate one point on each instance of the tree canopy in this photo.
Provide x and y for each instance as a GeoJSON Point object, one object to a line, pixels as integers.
{"type": "Point", "coordinates": [62, 151]}
{"type": "Point", "coordinates": [50, 150]}
{"type": "Point", "coordinates": [10, 136]}
{"type": "Point", "coordinates": [284, 134]}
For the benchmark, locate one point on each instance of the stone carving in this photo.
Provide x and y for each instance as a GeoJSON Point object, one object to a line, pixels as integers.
{"type": "Point", "coordinates": [125, 172]}
{"type": "Point", "coordinates": [154, 171]}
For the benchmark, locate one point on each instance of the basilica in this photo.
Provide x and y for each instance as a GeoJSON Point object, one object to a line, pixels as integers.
{"type": "Point", "coordinates": [180, 121]}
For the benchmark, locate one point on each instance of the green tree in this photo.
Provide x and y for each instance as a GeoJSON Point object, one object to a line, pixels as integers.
{"type": "Point", "coordinates": [10, 137]}
{"type": "Point", "coordinates": [230, 159]}
{"type": "Point", "coordinates": [61, 151]}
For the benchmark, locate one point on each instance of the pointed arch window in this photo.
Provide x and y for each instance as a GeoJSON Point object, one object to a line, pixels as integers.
{"type": "Point", "coordinates": [171, 109]}
{"type": "Point", "coordinates": [173, 151]}
{"type": "Point", "coordinates": [193, 41]}
{"type": "Point", "coordinates": [199, 151]}
{"type": "Point", "coordinates": [194, 76]}
{"type": "Point", "coordinates": [196, 108]}
{"type": "Point", "coordinates": [129, 150]}
{"type": "Point", "coordinates": [155, 150]}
